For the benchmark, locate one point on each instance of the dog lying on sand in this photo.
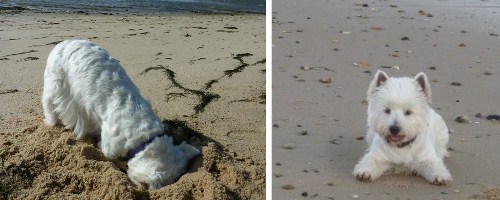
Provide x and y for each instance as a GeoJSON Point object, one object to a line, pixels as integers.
{"type": "Point", "coordinates": [404, 131]}
{"type": "Point", "coordinates": [86, 90]}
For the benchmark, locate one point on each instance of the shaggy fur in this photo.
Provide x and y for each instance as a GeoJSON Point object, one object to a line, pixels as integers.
{"type": "Point", "coordinates": [403, 130]}
{"type": "Point", "coordinates": [86, 90]}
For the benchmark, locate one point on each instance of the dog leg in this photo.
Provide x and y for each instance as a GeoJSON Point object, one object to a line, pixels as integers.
{"type": "Point", "coordinates": [435, 172]}
{"type": "Point", "coordinates": [50, 89]}
{"type": "Point", "coordinates": [370, 168]}
{"type": "Point", "coordinates": [48, 110]}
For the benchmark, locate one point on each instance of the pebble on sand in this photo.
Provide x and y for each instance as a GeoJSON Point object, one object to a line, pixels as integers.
{"type": "Point", "coordinates": [361, 64]}
{"type": "Point", "coordinates": [306, 68]}
{"type": "Point", "coordinates": [478, 115]}
{"type": "Point", "coordinates": [335, 141]}
{"type": "Point", "coordinates": [288, 146]}
{"type": "Point", "coordinates": [456, 84]}
{"type": "Point", "coordinates": [462, 119]}
{"type": "Point", "coordinates": [493, 117]}
{"type": "Point", "coordinates": [288, 187]}
{"type": "Point", "coordinates": [326, 80]}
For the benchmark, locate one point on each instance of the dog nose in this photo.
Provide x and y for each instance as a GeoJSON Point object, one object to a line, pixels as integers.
{"type": "Point", "coordinates": [395, 129]}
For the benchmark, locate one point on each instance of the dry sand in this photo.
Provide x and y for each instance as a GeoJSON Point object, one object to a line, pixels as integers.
{"type": "Point", "coordinates": [460, 39]}
{"type": "Point", "coordinates": [207, 71]}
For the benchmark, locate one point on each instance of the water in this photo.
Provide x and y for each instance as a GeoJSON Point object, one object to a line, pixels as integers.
{"type": "Point", "coordinates": [140, 6]}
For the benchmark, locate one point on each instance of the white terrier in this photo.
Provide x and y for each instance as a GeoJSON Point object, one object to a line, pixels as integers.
{"type": "Point", "coordinates": [403, 130]}
{"type": "Point", "coordinates": [87, 90]}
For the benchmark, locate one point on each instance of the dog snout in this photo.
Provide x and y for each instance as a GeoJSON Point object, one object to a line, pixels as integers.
{"type": "Point", "coordinates": [394, 129]}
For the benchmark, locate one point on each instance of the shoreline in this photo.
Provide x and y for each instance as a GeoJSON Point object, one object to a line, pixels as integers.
{"type": "Point", "coordinates": [17, 8]}
{"type": "Point", "coordinates": [20, 9]}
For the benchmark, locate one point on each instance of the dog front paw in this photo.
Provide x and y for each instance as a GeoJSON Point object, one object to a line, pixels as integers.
{"type": "Point", "coordinates": [437, 174]}
{"type": "Point", "coordinates": [369, 169]}
{"type": "Point", "coordinates": [363, 176]}
{"type": "Point", "coordinates": [442, 180]}
{"type": "Point", "coordinates": [364, 172]}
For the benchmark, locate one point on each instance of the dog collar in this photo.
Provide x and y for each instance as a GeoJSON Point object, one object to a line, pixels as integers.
{"type": "Point", "coordinates": [137, 149]}
{"type": "Point", "coordinates": [404, 144]}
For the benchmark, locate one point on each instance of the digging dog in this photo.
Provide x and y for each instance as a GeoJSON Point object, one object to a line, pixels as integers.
{"type": "Point", "coordinates": [86, 90]}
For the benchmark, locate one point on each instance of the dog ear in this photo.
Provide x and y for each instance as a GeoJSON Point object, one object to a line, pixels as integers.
{"type": "Point", "coordinates": [379, 79]}
{"type": "Point", "coordinates": [423, 83]}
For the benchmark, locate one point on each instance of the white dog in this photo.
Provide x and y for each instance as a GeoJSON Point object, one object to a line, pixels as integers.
{"type": "Point", "coordinates": [403, 130]}
{"type": "Point", "coordinates": [87, 90]}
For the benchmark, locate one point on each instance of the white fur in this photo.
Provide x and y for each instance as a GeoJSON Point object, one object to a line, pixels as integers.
{"type": "Point", "coordinates": [87, 90]}
{"type": "Point", "coordinates": [422, 157]}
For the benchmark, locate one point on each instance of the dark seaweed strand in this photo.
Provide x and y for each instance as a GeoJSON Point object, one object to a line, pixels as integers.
{"type": "Point", "coordinates": [209, 84]}
{"type": "Point", "coordinates": [205, 97]}
{"type": "Point", "coordinates": [240, 67]}
{"type": "Point", "coordinates": [263, 61]}
{"type": "Point", "coordinates": [9, 91]}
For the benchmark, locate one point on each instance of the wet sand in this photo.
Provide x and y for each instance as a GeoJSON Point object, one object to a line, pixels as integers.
{"type": "Point", "coordinates": [451, 41]}
{"type": "Point", "coordinates": [206, 72]}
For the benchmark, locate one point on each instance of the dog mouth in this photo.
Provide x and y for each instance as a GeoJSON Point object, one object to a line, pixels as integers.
{"type": "Point", "coordinates": [395, 138]}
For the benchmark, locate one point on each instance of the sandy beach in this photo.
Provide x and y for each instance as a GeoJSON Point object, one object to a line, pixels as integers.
{"type": "Point", "coordinates": [319, 108]}
{"type": "Point", "coordinates": [204, 72]}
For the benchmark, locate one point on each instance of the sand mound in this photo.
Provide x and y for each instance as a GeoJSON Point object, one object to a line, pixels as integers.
{"type": "Point", "coordinates": [51, 164]}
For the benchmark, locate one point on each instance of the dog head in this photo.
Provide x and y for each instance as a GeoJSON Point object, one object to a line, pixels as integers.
{"type": "Point", "coordinates": [160, 163]}
{"type": "Point", "coordinates": [398, 107]}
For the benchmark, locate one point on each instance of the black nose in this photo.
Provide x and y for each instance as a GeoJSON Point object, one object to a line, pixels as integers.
{"type": "Point", "coordinates": [395, 129]}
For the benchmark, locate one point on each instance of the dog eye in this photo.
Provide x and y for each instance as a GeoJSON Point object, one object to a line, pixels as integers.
{"type": "Point", "coordinates": [408, 112]}
{"type": "Point", "coordinates": [387, 110]}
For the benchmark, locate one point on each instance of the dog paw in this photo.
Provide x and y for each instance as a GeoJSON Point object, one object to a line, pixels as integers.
{"type": "Point", "coordinates": [442, 180]}
{"type": "Point", "coordinates": [367, 170]}
{"type": "Point", "coordinates": [50, 122]}
{"type": "Point", "coordinates": [438, 175]}
{"type": "Point", "coordinates": [363, 176]}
